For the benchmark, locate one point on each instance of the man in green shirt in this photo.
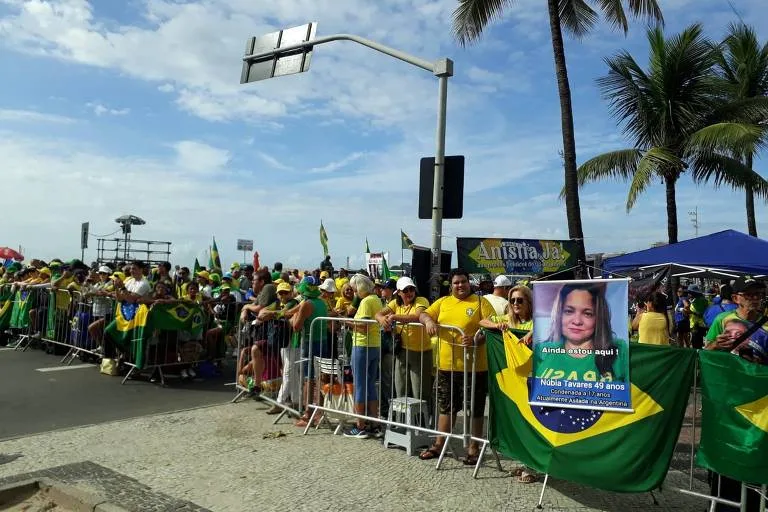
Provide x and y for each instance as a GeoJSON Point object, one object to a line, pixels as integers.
{"type": "Point", "coordinates": [748, 295]}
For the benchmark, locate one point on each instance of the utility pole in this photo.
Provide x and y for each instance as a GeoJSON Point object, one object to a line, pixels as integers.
{"type": "Point", "coordinates": [694, 215]}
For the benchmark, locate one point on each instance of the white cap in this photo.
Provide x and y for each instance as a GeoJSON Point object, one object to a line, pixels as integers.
{"type": "Point", "coordinates": [105, 270]}
{"type": "Point", "coordinates": [329, 285]}
{"type": "Point", "coordinates": [501, 282]}
{"type": "Point", "coordinates": [405, 282]}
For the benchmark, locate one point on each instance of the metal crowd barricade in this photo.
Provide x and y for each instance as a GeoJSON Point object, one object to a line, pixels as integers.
{"type": "Point", "coordinates": [266, 365]}
{"type": "Point", "coordinates": [57, 330]}
{"type": "Point", "coordinates": [91, 316]}
{"type": "Point", "coordinates": [6, 311]}
{"type": "Point", "coordinates": [28, 316]}
{"type": "Point", "coordinates": [340, 410]}
{"type": "Point", "coordinates": [155, 350]}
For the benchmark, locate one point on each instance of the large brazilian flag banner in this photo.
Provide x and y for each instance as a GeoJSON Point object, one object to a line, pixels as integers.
{"type": "Point", "coordinates": [515, 256]}
{"type": "Point", "coordinates": [134, 324]}
{"type": "Point", "coordinates": [615, 451]}
{"type": "Point", "coordinates": [734, 425]}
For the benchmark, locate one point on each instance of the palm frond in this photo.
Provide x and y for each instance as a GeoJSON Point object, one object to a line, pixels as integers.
{"type": "Point", "coordinates": [472, 16]}
{"type": "Point", "coordinates": [733, 138]}
{"type": "Point", "coordinates": [577, 17]}
{"type": "Point", "coordinates": [613, 10]}
{"type": "Point", "coordinates": [718, 170]}
{"type": "Point", "coordinates": [647, 168]}
{"type": "Point", "coordinates": [648, 9]}
{"type": "Point", "coordinates": [619, 165]}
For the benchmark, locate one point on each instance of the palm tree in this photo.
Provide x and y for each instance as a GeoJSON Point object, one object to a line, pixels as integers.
{"type": "Point", "coordinates": [679, 121]}
{"type": "Point", "coordinates": [575, 16]}
{"type": "Point", "coordinates": [743, 65]}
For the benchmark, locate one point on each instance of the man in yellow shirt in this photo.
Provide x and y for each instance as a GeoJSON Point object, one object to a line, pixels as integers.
{"type": "Point", "coordinates": [341, 281]}
{"type": "Point", "coordinates": [459, 312]}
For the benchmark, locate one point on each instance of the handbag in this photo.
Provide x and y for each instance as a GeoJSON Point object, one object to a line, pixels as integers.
{"type": "Point", "coordinates": [108, 367]}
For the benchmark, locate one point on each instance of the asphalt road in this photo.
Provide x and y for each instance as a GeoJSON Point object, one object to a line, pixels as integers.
{"type": "Point", "coordinates": [32, 401]}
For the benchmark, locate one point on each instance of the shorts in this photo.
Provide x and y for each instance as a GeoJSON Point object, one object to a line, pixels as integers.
{"type": "Point", "coordinates": [683, 326]}
{"type": "Point", "coordinates": [450, 392]}
{"type": "Point", "coordinates": [320, 348]}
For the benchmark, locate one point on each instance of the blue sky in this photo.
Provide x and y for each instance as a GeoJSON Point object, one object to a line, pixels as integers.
{"type": "Point", "coordinates": [109, 108]}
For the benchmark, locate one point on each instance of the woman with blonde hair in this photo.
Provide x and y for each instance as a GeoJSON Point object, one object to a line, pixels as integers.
{"type": "Point", "coordinates": [518, 316]}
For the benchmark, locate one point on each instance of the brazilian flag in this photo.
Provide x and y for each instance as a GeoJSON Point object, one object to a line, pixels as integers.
{"type": "Point", "coordinates": [734, 424]}
{"type": "Point", "coordinates": [177, 317]}
{"type": "Point", "coordinates": [6, 307]}
{"type": "Point", "coordinates": [622, 452]}
{"type": "Point", "coordinates": [128, 330]}
{"type": "Point", "coordinates": [22, 303]}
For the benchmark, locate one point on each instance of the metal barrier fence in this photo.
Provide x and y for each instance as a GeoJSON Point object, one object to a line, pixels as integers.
{"type": "Point", "coordinates": [205, 339]}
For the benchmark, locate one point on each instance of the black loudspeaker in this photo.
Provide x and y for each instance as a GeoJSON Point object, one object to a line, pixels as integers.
{"type": "Point", "coordinates": [453, 187]}
{"type": "Point", "coordinates": [421, 269]}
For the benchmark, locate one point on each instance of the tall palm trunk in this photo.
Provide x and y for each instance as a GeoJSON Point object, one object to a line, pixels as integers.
{"type": "Point", "coordinates": [671, 209]}
{"type": "Point", "coordinates": [751, 221]}
{"type": "Point", "coordinates": [572, 207]}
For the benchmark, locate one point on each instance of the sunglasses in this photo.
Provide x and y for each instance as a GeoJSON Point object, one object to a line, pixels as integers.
{"type": "Point", "coordinates": [408, 289]}
{"type": "Point", "coordinates": [517, 300]}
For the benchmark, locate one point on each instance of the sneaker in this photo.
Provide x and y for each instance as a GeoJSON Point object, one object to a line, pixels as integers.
{"type": "Point", "coordinates": [356, 432]}
{"type": "Point", "coordinates": [184, 374]}
{"type": "Point", "coordinates": [192, 374]}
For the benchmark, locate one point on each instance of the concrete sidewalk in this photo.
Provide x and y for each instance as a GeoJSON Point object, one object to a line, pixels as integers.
{"type": "Point", "coordinates": [218, 458]}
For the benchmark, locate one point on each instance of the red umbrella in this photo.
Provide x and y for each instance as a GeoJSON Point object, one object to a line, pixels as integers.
{"type": "Point", "coordinates": [9, 254]}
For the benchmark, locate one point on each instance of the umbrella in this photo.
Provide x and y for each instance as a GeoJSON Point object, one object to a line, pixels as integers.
{"type": "Point", "coordinates": [130, 219]}
{"type": "Point", "coordinates": [9, 254]}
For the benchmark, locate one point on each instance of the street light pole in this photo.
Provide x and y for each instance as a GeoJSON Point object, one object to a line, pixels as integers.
{"type": "Point", "coordinates": [442, 69]}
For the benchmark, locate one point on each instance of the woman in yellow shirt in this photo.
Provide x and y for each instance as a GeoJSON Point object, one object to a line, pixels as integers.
{"type": "Point", "coordinates": [651, 320]}
{"type": "Point", "coordinates": [344, 302]}
{"type": "Point", "coordinates": [413, 352]}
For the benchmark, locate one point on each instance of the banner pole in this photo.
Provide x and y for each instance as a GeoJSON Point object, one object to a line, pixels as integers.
{"type": "Point", "coordinates": [543, 488]}
{"type": "Point", "coordinates": [693, 419]}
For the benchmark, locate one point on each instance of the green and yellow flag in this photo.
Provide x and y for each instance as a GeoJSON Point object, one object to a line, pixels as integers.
{"type": "Point", "coordinates": [323, 239]}
{"type": "Point", "coordinates": [129, 330]}
{"type": "Point", "coordinates": [406, 241]}
{"type": "Point", "coordinates": [615, 451]}
{"type": "Point", "coordinates": [197, 268]}
{"type": "Point", "coordinates": [215, 261]}
{"type": "Point", "coordinates": [367, 247]}
{"type": "Point", "coordinates": [734, 424]}
{"type": "Point", "coordinates": [22, 303]}
{"type": "Point", "coordinates": [385, 272]}
{"type": "Point", "coordinates": [6, 306]}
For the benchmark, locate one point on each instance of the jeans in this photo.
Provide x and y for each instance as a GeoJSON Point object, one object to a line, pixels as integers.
{"type": "Point", "coordinates": [365, 373]}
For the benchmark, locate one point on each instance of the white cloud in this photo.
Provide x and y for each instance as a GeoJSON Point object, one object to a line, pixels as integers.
{"type": "Point", "coordinates": [198, 156]}
{"type": "Point", "coordinates": [32, 116]}
{"type": "Point", "coordinates": [338, 164]}
{"type": "Point", "coordinates": [166, 88]}
{"type": "Point", "coordinates": [101, 110]}
{"type": "Point", "coordinates": [272, 161]}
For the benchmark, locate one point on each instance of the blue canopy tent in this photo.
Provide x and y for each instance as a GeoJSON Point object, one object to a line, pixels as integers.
{"type": "Point", "coordinates": [717, 253]}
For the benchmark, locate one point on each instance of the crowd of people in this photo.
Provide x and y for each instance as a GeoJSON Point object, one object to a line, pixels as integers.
{"type": "Point", "coordinates": [395, 342]}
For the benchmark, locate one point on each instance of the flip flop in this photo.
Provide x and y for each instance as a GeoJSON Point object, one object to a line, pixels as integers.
{"type": "Point", "coordinates": [519, 470]}
{"type": "Point", "coordinates": [527, 478]}
{"type": "Point", "coordinates": [430, 453]}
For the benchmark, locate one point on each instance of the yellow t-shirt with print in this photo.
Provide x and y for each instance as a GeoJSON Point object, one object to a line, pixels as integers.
{"type": "Point", "coordinates": [466, 315]}
{"type": "Point", "coordinates": [367, 309]}
{"type": "Point", "coordinates": [414, 337]}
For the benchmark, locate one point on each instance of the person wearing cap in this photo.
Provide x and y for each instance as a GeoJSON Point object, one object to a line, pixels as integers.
{"type": "Point", "coordinates": [412, 347]}
{"type": "Point", "coordinates": [227, 279]}
{"type": "Point", "coordinates": [388, 290]}
{"type": "Point", "coordinates": [498, 298]}
{"type": "Point", "coordinates": [324, 275]}
{"type": "Point", "coordinates": [204, 280]}
{"type": "Point", "coordinates": [327, 293]}
{"type": "Point", "coordinates": [316, 343]}
{"type": "Point", "coordinates": [748, 295]}
{"type": "Point", "coordinates": [102, 306]}
{"type": "Point", "coordinates": [290, 387]}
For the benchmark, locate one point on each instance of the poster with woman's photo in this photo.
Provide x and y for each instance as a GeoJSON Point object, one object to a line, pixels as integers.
{"type": "Point", "coordinates": [581, 352]}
